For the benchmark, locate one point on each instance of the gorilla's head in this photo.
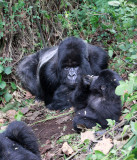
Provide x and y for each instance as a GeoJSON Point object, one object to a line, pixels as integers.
{"type": "Point", "coordinates": [72, 56]}
{"type": "Point", "coordinates": [104, 84]}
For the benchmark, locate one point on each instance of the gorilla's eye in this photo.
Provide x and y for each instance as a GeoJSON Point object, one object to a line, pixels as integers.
{"type": "Point", "coordinates": [66, 68]}
{"type": "Point", "coordinates": [76, 67]}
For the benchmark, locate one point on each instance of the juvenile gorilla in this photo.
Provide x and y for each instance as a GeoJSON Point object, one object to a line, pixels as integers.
{"type": "Point", "coordinates": [95, 100]}
{"type": "Point", "coordinates": [47, 72]}
{"type": "Point", "coordinates": [18, 143]}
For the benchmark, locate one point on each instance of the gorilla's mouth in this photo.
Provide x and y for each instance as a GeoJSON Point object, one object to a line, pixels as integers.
{"type": "Point", "coordinates": [72, 82]}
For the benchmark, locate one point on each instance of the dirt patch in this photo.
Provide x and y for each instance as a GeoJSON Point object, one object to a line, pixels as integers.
{"type": "Point", "coordinates": [50, 131]}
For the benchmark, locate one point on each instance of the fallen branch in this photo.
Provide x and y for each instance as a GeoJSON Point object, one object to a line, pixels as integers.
{"type": "Point", "coordinates": [54, 117]}
{"type": "Point", "coordinates": [74, 154]}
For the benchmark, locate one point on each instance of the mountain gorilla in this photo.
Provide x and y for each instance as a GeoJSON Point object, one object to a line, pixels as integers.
{"type": "Point", "coordinates": [94, 100]}
{"type": "Point", "coordinates": [18, 143]}
{"type": "Point", "coordinates": [53, 73]}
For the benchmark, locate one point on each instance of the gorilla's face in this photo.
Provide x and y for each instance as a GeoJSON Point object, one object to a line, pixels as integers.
{"type": "Point", "coordinates": [71, 72]}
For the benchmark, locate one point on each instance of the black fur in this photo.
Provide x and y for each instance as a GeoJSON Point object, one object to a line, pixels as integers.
{"type": "Point", "coordinates": [18, 143]}
{"type": "Point", "coordinates": [95, 100]}
{"type": "Point", "coordinates": [44, 72]}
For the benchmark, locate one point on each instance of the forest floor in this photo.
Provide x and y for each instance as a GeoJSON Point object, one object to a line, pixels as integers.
{"type": "Point", "coordinates": [54, 130]}
{"type": "Point", "coordinates": [49, 129]}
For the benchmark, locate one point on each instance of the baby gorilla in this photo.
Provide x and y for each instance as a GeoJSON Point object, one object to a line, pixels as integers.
{"type": "Point", "coordinates": [95, 100]}
{"type": "Point", "coordinates": [18, 143]}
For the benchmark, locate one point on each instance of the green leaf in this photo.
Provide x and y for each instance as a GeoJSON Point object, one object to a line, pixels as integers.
{"type": "Point", "coordinates": [122, 47]}
{"type": "Point", "coordinates": [1, 59]}
{"type": "Point", "coordinates": [89, 157]}
{"type": "Point", "coordinates": [111, 122]}
{"type": "Point", "coordinates": [18, 116]}
{"type": "Point", "coordinates": [133, 57]}
{"type": "Point", "coordinates": [112, 31]}
{"type": "Point", "coordinates": [7, 97]}
{"type": "Point", "coordinates": [131, 50]}
{"type": "Point", "coordinates": [7, 70]}
{"type": "Point", "coordinates": [131, 142]}
{"type": "Point", "coordinates": [130, 157]}
{"type": "Point", "coordinates": [110, 53]}
{"type": "Point", "coordinates": [0, 77]}
{"type": "Point", "coordinates": [130, 86]}
{"type": "Point", "coordinates": [120, 90]}
{"type": "Point", "coordinates": [134, 108]}
{"type": "Point", "coordinates": [134, 127]}
{"type": "Point", "coordinates": [2, 84]}
{"type": "Point", "coordinates": [86, 141]}
{"type": "Point", "coordinates": [134, 151]}
{"type": "Point", "coordinates": [9, 106]}
{"type": "Point", "coordinates": [125, 129]}
{"type": "Point", "coordinates": [99, 154]}
{"type": "Point", "coordinates": [126, 96]}
{"type": "Point", "coordinates": [1, 68]}
{"type": "Point", "coordinates": [128, 116]}
{"type": "Point", "coordinates": [13, 85]}
{"type": "Point", "coordinates": [130, 99]}
{"type": "Point", "coordinates": [30, 7]}
{"type": "Point", "coordinates": [114, 3]}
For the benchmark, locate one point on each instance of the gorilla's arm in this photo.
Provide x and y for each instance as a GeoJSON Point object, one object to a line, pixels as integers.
{"type": "Point", "coordinates": [60, 99]}
{"type": "Point", "coordinates": [79, 97]}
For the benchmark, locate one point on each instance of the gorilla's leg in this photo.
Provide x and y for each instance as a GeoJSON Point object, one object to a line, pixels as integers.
{"type": "Point", "coordinates": [23, 135]}
{"type": "Point", "coordinates": [84, 117]}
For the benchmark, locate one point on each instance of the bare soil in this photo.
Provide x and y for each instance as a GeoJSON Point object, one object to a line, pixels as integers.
{"type": "Point", "coordinates": [49, 132]}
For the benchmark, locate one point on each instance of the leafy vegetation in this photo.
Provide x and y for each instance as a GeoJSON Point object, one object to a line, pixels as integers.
{"type": "Point", "coordinates": [26, 27]}
{"type": "Point", "coordinates": [4, 92]}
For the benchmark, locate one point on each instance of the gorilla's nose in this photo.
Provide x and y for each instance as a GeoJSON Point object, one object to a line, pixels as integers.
{"type": "Point", "coordinates": [72, 72]}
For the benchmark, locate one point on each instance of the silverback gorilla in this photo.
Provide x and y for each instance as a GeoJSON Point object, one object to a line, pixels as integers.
{"type": "Point", "coordinates": [94, 100]}
{"type": "Point", "coordinates": [18, 143]}
{"type": "Point", "coordinates": [53, 73]}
